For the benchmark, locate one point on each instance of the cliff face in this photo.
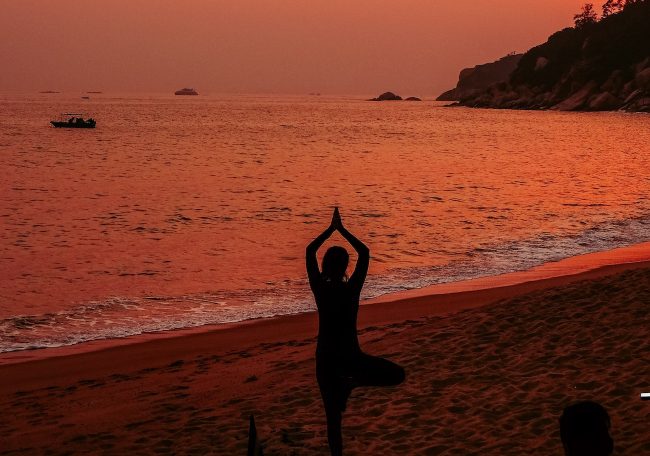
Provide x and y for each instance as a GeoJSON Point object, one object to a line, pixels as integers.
{"type": "Point", "coordinates": [597, 67]}
{"type": "Point", "coordinates": [474, 80]}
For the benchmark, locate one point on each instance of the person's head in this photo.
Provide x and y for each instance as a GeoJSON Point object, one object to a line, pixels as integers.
{"type": "Point", "coordinates": [584, 429]}
{"type": "Point", "coordinates": [335, 264]}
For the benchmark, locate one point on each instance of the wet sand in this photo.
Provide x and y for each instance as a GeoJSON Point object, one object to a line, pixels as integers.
{"type": "Point", "coordinates": [488, 371]}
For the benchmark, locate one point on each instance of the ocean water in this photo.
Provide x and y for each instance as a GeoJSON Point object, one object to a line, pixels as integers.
{"type": "Point", "coordinates": [183, 211]}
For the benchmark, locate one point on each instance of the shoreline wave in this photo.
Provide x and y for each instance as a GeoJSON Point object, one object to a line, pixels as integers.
{"type": "Point", "coordinates": [120, 317]}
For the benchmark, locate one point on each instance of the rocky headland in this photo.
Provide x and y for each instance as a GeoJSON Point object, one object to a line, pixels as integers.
{"type": "Point", "coordinates": [473, 81]}
{"type": "Point", "coordinates": [598, 66]}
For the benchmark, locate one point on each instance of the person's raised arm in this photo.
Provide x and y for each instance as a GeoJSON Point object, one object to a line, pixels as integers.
{"type": "Point", "coordinates": [361, 269]}
{"type": "Point", "coordinates": [312, 263]}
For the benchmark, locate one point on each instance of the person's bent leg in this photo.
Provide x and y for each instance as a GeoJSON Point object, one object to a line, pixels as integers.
{"type": "Point", "coordinates": [375, 371]}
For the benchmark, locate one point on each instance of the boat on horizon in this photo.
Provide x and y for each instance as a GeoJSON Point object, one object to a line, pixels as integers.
{"type": "Point", "coordinates": [186, 91]}
{"type": "Point", "coordinates": [74, 120]}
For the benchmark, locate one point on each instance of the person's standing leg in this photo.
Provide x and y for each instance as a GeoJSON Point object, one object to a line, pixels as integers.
{"type": "Point", "coordinates": [334, 418]}
{"type": "Point", "coordinates": [330, 390]}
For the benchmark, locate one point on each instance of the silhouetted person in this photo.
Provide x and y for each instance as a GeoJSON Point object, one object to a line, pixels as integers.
{"type": "Point", "coordinates": [584, 429]}
{"type": "Point", "coordinates": [340, 363]}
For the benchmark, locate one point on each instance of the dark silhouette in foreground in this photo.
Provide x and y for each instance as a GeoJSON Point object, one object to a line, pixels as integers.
{"type": "Point", "coordinates": [340, 363]}
{"type": "Point", "coordinates": [584, 429]}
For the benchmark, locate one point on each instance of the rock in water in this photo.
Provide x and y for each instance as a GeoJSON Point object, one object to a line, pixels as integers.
{"type": "Point", "coordinates": [387, 96]}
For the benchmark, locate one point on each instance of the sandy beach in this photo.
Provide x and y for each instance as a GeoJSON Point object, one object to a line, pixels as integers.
{"type": "Point", "coordinates": [489, 371]}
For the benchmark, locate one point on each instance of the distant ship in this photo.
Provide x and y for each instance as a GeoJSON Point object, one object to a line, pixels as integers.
{"type": "Point", "coordinates": [186, 91]}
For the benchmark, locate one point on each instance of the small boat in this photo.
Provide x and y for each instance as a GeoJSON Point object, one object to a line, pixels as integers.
{"type": "Point", "coordinates": [73, 121]}
{"type": "Point", "coordinates": [186, 91]}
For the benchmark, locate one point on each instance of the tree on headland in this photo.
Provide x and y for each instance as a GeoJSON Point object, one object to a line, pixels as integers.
{"type": "Point", "coordinates": [586, 17]}
{"type": "Point", "coordinates": [612, 7]}
{"type": "Point", "coordinates": [616, 6]}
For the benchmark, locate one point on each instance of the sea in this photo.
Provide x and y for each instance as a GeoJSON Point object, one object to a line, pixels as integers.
{"type": "Point", "coordinates": [178, 212]}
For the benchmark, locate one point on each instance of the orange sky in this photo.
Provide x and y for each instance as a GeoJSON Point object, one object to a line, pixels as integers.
{"type": "Point", "coordinates": [413, 47]}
